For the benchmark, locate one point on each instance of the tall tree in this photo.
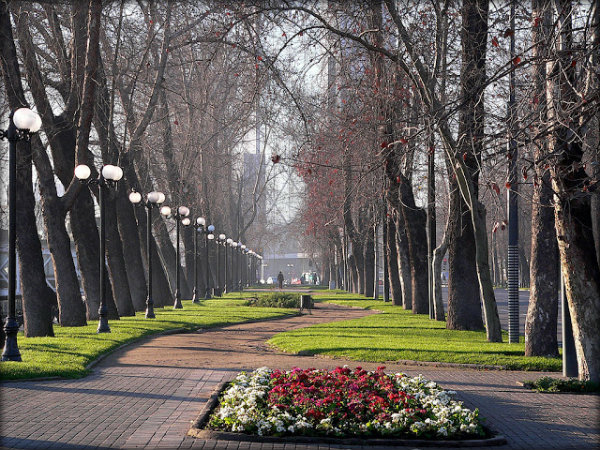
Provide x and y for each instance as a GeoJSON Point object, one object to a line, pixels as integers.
{"type": "Point", "coordinates": [572, 199]}
{"type": "Point", "coordinates": [37, 296]}
{"type": "Point", "coordinates": [542, 314]}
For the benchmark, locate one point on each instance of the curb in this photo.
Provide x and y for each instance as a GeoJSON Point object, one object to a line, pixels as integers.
{"type": "Point", "coordinates": [452, 365]}
{"type": "Point", "coordinates": [197, 430]}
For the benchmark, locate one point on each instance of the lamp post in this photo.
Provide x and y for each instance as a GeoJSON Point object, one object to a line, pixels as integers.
{"type": "Point", "coordinates": [221, 241]}
{"type": "Point", "coordinates": [200, 223]}
{"type": "Point", "coordinates": [180, 216]}
{"type": "Point", "coordinates": [209, 237]}
{"type": "Point", "coordinates": [108, 178]}
{"type": "Point", "coordinates": [250, 263]}
{"type": "Point", "coordinates": [241, 248]}
{"type": "Point", "coordinates": [253, 267]}
{"type": "Point", "coordinates": [234, 277]}
{"type": "Point", "coordinates": [512, 202]}
{"type": "Point", "coordinates": [153, 199]}
{"type": "Point", "coordinates": [23, 122]}
{"type": "Point", "coordinates": [227, 245]}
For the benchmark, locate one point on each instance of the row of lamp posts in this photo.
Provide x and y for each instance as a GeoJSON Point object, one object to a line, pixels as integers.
{"type": "Point", "coordinates": [23, 123]}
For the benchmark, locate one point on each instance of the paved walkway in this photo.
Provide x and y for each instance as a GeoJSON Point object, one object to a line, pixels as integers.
{"type": "Point", "coordinates": [146, 395]}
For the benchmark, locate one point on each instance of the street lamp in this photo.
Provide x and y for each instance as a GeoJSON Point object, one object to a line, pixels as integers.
{"type": "Point", "coordinates": [108, 178]}
{"type": "Point", "coordinates": [242, 266]}
{"type": "Point", "coordinates": [208, 234]}
{"type": "Point", "coordinates": [23, 122]}
{"type": "Point", "coordinates": [231, 285]}
{"type": "Point", "coordinates": [238, 267]}
{"type": "Point", "coordinates": [153, 199]}
{"type": "Point", "coordinates": [221, 241]}
{"type": "Point", "coordinates": [209, 237]}
{"type": "Point", "coordinates": [261, 274]}
{"type": "Point", "coordinates": [251, 273]}
{"type": "Point", "coordinates": [180, 216]}
{"type": "Point", "coordinates": [200, 223]}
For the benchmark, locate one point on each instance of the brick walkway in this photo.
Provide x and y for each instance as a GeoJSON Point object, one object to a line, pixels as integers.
{"type": "Point", "coordinates": [146, 395]}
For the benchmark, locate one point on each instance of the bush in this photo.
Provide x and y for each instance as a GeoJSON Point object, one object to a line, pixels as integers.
{"type": "Point", "coordinates": [549, 384]}
{"type": "Point", "coordinates": [276, 300]}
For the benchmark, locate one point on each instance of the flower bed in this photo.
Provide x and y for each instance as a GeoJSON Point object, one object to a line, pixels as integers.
{"type": "Point", "coordinates": [342, 403]}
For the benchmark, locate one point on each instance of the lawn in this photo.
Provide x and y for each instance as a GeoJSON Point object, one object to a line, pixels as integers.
{"type": "Point", "coordinates": [73, 348]}
{"type": "Point", "coordinates": [396, 334]}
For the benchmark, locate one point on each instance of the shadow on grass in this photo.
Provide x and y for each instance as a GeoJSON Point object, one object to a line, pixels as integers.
{"type": "Point", "coordinates": [400, 350]}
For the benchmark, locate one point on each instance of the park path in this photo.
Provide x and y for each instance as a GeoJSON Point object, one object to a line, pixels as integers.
{"type": "Point", "coordinates": [146, 395]}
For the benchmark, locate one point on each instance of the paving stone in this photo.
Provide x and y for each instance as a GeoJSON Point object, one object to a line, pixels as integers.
{"type": "Point", "coordinates": [146, 395]}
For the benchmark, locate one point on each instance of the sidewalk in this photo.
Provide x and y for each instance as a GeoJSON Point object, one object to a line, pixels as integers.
{"type": "Point", "coordinates": [146, 395]}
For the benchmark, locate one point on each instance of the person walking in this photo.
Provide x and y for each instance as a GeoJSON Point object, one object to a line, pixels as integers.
{"type": "Point", "coordinates": [280, 279]}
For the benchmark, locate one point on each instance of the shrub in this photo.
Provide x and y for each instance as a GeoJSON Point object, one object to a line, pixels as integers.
{"type": "Point", "coordinates": [549, 384]}
{"type": "Point", "coordinates": [276, 300]}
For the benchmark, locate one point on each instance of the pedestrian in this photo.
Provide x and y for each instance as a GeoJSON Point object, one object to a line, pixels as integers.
{"type": "Point", "coordinates": [280, 279]}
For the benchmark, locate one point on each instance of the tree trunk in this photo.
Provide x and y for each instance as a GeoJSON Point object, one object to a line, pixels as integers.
{"type": "Point", "coordinates": [37, 297]}
{"type": "Point", "coordinates": [490, 308]}
{"type": "Point", "coordinates": [369, 262]}
{"type": "Point", "coordinates": [403, 253]}
{"type": "Point", "coordinates": [464, 306]}
{"type": "Point", "coordinates": [395, 177]}
{"type": "Point", "coordinates": [115, 260]}
{"type": "Point", "coordinates": [579, 266]}
{"type": "Point", "coordinates": [392, 260]}
{"type": "Point", "coordinates": [71, 307]}
{"type": "Point", "coordinates": [134, 264]}
{"type": "Point", "coordinates": [68, 295]}
{"type": "Point", "coordinates": [495, 261]}
{"type": "Point", "coordinates": [415, 222]}
{"type": "Point", "coordinates": [572, 204]}
{"type": "Point", "coordinates": [438, 258]}
{"type": "Point", "coordinates": [542, 314]}
{"type": "Point", "coordinates": [339, 274]}
{"type": "Point", "coordinates": [161, 290]}
{"type": "Point", "coordinates": [594, 134]}
{"type": "Point", "coordinates": [87, 245]}
{"type": "Point", "coordinates": [166, 250]}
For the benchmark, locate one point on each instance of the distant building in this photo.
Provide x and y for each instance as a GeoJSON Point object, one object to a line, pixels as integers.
{"type": "Point", "coordinates": [292, 265]}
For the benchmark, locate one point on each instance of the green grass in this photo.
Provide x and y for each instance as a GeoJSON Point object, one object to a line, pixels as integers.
{"type": "Point", "coordinates": [68, 353]}
{"type": "Point", "coordinates": [396, 334]}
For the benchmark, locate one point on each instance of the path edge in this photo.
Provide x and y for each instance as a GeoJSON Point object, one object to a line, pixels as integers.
{"type": "Point", "coordinates": [181, 330]}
